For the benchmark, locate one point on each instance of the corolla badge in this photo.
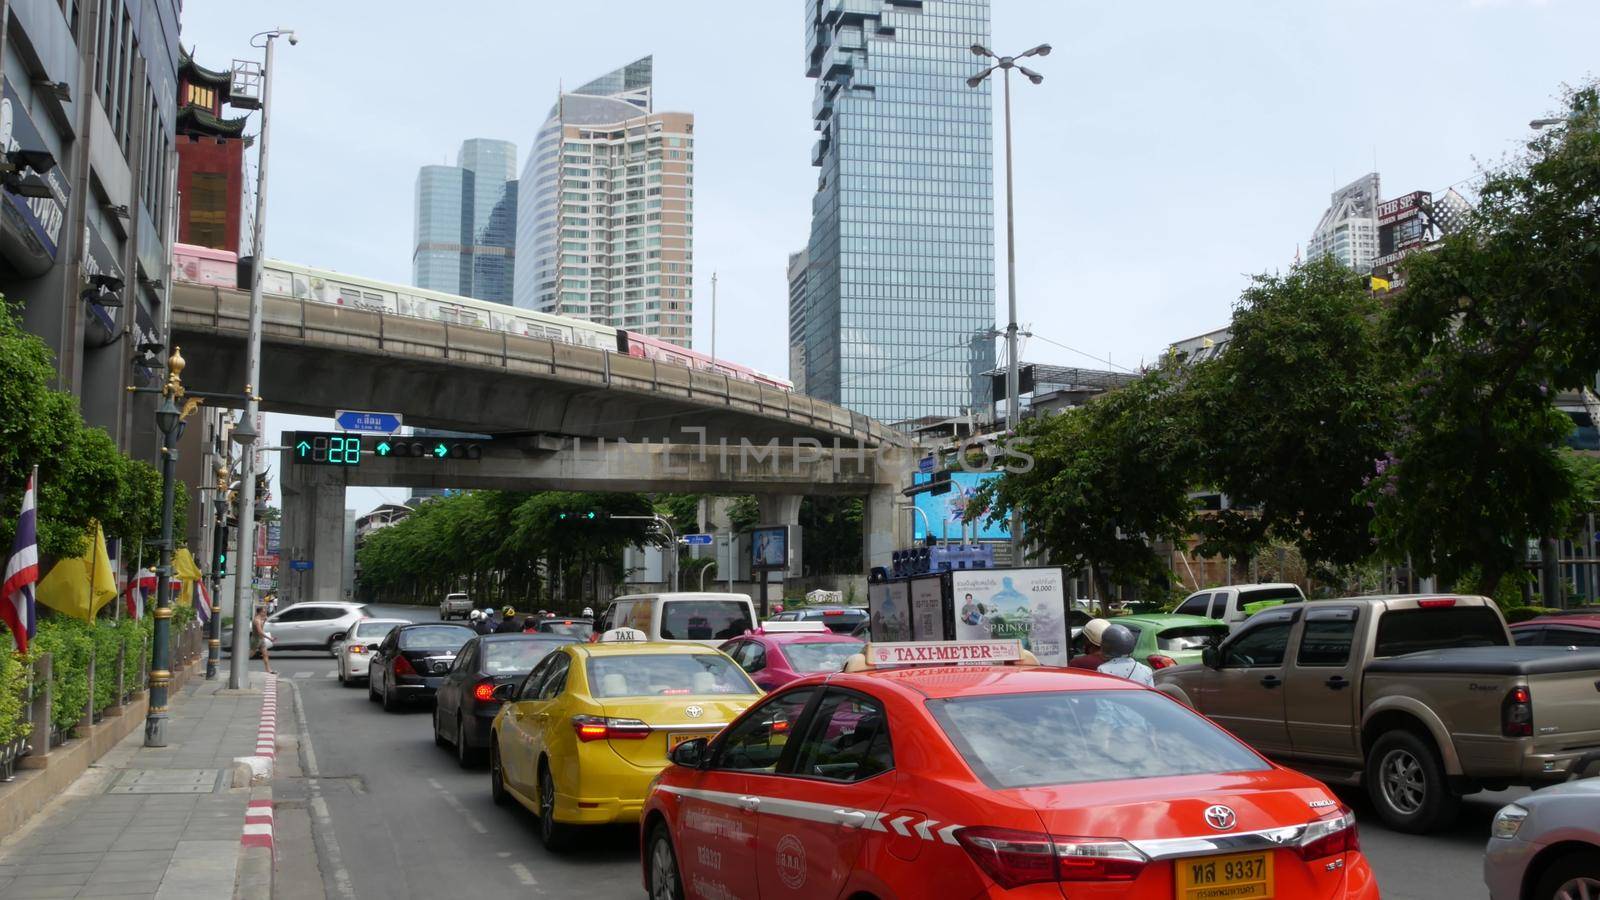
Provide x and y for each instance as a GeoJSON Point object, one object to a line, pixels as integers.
{"type": "Point", "coordinates": [1219, 817]}
{"type": "Point", "coordinates": [694, 712]}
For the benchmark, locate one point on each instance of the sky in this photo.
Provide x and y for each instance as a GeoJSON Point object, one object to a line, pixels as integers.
{"type": "Point", "coordinates": [1173, 149]}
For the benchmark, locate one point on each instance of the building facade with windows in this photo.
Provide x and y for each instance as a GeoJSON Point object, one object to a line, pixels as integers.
{"type": "Point", "coordinates": [88, 121]}
{"type": "Point", "coordinates": [900, 266]}
{"type": "Point", "coordinates": [605, 227]}
{"type": "Point", "coordinates": [1348, 229]}
{"type": "Point", "coordinates": [465, 223]}
{"type": "Point", "coordinates": [797, 320]}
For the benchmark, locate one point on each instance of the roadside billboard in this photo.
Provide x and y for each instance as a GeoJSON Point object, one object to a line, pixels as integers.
{"type": "Point", "coordinates": [1404, 224]}
{"type": "Point", "coordinates": [1020, 604]}
{"type": "Point", "coordinates": [889, 610]}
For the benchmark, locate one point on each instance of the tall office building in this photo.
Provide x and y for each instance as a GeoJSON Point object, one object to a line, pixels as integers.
{"type": "Point", "coordinates": [605, 230]}
{"type": "Point", "coordinates": [466, 222]}
{"type": "Point", "coordinates": [1348, 229]}
{"type": "Point", "coordinates": [900, 268]}
{"type": "Point", "coordinates": [797, 320]}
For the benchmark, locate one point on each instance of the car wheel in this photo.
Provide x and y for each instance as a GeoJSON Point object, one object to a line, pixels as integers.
{"type": "Point", "coordinates": [553, 834]}
{"type": "Point", "coordinates": [1575, 876]}
{"type": "Point", "coordinates": [333, 642]}
{"type": "Point", "coordinates": [391, 703]}
{"type": "Point", "coordinates": [497, 785]}
{"type": "Point", "coordinates": [466, 757]}
{"type": "Point", "coordinates": [662, 872]}
{"type": "Point", "coordinates": [1407, 784]}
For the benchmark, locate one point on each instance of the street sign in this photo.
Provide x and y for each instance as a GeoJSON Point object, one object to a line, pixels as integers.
{"type": "Point", "coordinates": [369, 422]}
{"type": "Point", "coordinates": [925, 464]}
{"type": "Point", "coordinates": [300, 565]}
{"type": "Point", "coordinates": [696, 539]}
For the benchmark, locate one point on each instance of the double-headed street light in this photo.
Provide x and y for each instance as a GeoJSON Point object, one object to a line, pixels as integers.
{"type": "Point", "coordinates": [1006, 64]}
{"type": "Point", "coordinates": [169, 419]}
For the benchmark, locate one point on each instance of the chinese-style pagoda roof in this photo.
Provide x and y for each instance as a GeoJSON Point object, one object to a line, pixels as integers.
{"type": "Point", "coordinates": [198, 120]}
{"type": "Point", "coordinates": [222, 81]}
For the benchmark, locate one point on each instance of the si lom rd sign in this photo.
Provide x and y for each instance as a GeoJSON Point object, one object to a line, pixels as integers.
{"type": "Point", "coordinates": [368, 422]}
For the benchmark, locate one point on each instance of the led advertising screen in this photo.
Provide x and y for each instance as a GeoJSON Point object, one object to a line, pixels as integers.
{"type": "Point", "coordinates": [769, 547]}
{"type": "Point", "coordinates": [945, 510]}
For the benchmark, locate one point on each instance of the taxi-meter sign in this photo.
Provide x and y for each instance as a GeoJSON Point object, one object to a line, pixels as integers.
{"type": "Point", "coordinates": [623, 635]}
{"type": "Point", "coordinates": [916, 653]}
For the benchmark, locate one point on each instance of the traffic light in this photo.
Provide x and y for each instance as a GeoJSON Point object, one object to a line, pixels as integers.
{"type": "Point", "coordinates": [586, 515]}
{"type": "Point", "coordinates": [940, 482]}
{"type": "Point", "coordinates": [431, 448]}
{"type": "Point", "coordinates": [222, 563]}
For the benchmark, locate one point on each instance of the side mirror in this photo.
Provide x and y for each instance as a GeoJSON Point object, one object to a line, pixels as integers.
{"type": "Point", "coordinates": [338, 636]}
{"type": "Point", "coordinates": [1211, 657]}
{"type": "Point", "coordinates": [504, 692]}
{"type": "Point", "coordinates": [372, 647]}
{"type": "Point", "coordinates": [690, 754]}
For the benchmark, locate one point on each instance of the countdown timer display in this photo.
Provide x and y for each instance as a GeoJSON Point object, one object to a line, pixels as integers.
{"type": "Point", "coordinates": [325, 448]}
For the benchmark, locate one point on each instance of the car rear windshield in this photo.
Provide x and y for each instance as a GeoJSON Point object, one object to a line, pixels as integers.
{"type": "Point", "coordinates": [1282, 595]}
{"type": "Point", "coordinates": [1190, 637]}
{"type": "Point", "coordinates": [567, 627]}
{"type": "Point", "coordinates": [663, 675]}
{"type": "Point", "coordinates": [820, 656]}
{"type": "Point", "coordinates": [435, 637]}
{"type": "Point", "coordinates": [375, 631]}
{"type": "Point", "coordinates": [1402, 631]}
{"type": "Point", "coordinates": [1067, 737]}
{"type": "Point", "coordinates": [513, 657]}
{"type": "Point", "coordinates": [703, 620]}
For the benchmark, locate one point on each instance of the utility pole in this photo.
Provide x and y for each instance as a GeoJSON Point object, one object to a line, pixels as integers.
{"type": "Point", "coordinates": [713, 315]}
{"type": "Point", "coordinates": [245, 434]}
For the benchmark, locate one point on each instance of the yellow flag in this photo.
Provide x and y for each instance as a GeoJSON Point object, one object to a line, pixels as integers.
{"type": "Point", "coordinates": [186, 571]}
{"type": "Point", "coordinates": [81, 585]}
{"type": "Point", "coordinates": [1379, 284]}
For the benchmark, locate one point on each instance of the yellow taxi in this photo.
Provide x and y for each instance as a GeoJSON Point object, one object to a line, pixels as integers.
{"type": "Point", "coordinates": [579, 740]}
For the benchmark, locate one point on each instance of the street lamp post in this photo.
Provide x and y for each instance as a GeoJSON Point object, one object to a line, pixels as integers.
{"type": "Point", "coordinates": [245, 434]}
{"type": "Point", "coordinates": [169, 419]}
{"type": "Point", "coordinates": [219, 544]}
{"type": "Point", "coordinates": [1006, 64]}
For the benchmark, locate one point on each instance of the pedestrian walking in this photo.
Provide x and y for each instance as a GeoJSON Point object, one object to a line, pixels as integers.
{"type": "Point", "coordinates": [260, 637]}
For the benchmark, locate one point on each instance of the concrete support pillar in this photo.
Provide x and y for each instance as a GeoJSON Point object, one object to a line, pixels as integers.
{"type": "Point", "coordinates": [313, 530]}
{"type": "Point", "coordinates": [882, 524]}
{"type": "Point", "coordinates": [784, 509]}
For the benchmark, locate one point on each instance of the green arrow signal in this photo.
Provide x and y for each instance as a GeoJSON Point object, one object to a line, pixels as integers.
{"type": "Point", "coordinates": [303, 447]}
{"type": "Point", "coordinates": [383, 448]}
{"type": "Point", "coordinates": [440, 451]}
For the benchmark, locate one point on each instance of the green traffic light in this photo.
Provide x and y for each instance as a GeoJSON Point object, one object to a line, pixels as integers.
{"type": "Point", "coordinates": [440, 451]}
{"type": "Point", "coordinates": [383, 448]}
{"type": "Point", "coordinates": [303, 447]}
{"type": "Point", "coordinates": [591, 513]}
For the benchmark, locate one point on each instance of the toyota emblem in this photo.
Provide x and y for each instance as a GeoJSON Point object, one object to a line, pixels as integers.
{"type": "Point", "coordinates": [1219, 817]}
{"type": "Point", "coordinates": [693, 712]}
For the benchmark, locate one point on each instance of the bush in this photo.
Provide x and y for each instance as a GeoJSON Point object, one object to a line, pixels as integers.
{"type": "Point", "coordinates": [68, 642]}
{"type": "Point", "coordinates": [13, 696]}
{"type": "Point", "coordinates": [1523, 613]}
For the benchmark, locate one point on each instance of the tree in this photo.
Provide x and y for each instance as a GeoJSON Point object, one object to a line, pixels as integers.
{"type": "Point", "coordinates": [1289, 420]}
{"type": "Point", "coordinates": [1108, 479]}
{"type": "Point", "coordinates": [1505, 313]}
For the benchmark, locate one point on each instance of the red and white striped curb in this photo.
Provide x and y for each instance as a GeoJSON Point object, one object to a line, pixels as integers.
{"type": "Point", "coordinates": [267, 733]}
{"type": "Point", "coordinates": [257, 824]}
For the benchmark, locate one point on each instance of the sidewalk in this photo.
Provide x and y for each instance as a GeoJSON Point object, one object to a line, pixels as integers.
{"type": "Point", "coordinates": [150, 823]}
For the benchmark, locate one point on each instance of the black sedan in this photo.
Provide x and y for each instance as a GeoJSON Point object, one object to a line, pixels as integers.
{"type": "Point", "coordinates": [413, 661]}
{"type": "Point", "coordinates": [578, 627]}
{"type": "Point", "coordinates": [464, 706]}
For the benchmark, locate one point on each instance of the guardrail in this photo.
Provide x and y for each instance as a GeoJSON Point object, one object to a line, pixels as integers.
{"type": "Point", "coordinates": [303, 321]}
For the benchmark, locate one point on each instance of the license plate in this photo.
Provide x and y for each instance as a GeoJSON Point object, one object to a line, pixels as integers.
{"type": "Point", "coordinates": [1241, 876]}
{"type": "Point", "coordinates": [673, 740]}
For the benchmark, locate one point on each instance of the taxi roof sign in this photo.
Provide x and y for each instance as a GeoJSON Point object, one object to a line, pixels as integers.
{"type": "Point", "coordinates": [939, 653]}
{"type": "Point", "coordinates": [623, 635]}
{"type": "Point", "coordinates": [812, 627]}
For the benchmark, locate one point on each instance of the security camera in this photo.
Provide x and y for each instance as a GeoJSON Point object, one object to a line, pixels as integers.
{"type": "Point", "coordinates": [294, 39]}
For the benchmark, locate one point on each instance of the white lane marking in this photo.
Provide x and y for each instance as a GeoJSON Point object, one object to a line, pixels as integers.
{"type": "Point", "coordinates": [454, 802]}
{"type": "Point", "coordinates": [302, 674]}
{"type": "Point", "coordinates": [319, 807]}
{"type": "Point", "coordinates": [899, 825]}
{"type": "Point", "coordinates": [948, 833]}
{"type": "Point", "coordinates": [523, 875]}
{"type": "Point", "coordinates": [923, 826]}
{"type": "Point", "coordinates": [504, 854]}
{"type": "Point", "coordinates": [334, 674]}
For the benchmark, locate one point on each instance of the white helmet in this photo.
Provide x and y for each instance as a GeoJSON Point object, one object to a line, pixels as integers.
{"type": "Point", "coordinates": [475, 616]}
{"type": "Point", "coordinates": [588, 611]}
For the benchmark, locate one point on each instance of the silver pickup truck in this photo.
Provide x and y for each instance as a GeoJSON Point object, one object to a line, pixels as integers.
{"type": "Point", "coordinates": [1420, 698]}
{"type": "Point", "coordinates": [454, 605]}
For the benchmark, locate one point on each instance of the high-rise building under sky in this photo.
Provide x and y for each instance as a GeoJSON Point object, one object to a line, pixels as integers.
{"type": "Point", "coordinates": [466, 223]}
{"type": "Point", "coordinates": [900, 269]}
{"type": "Point", "coordinates": [605, 231]}
{"type": "Point", "coordinates": [1348, 229]}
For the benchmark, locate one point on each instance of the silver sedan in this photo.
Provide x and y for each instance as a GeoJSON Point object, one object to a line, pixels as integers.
{"type": "Point", "coordinates": [1546, 846]}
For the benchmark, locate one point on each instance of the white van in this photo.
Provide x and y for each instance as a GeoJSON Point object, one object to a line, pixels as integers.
{"type": "Point", "coordinates": [1227, 603]}
{"type": "Point", "coordinates": [704, 618]}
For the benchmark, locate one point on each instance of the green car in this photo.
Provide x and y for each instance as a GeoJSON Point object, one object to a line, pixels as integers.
{"type": "Point", "coordinates": [1165, 640]}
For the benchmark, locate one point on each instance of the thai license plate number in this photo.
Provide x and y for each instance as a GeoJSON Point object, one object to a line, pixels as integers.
{"type": "Point", "coordinates": [1241, 876]}
{"type": "Point", "coordinates": [674, 739]}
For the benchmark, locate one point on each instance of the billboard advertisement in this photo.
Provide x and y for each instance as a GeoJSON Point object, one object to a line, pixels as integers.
{"type": "Point", "coordinates": [769, 547]}
{"type": "Point", "coordinates": [1402, 226]}
{"type": "Point", "coordinates": [927, 608]}
{"type": "Point", "coordinates": [1013, 604]}
{"type": "Point", "coordinates": [944, 511]}
{"type": "Point", "coordinates": [889, 608]}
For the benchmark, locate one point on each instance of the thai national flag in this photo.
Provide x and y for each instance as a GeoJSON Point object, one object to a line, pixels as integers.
{"type": "Point", "coordinates": [17, 608]}
{"type": "Point", "coordinates": [202, 603]}
{"type": "Point", "coordinates": [140, 587]}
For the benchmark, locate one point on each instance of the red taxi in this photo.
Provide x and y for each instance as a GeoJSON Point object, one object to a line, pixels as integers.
{"type": "Point", "coordinates": [988, 781]}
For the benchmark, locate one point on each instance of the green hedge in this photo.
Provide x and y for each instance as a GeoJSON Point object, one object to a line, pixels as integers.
{"type": "Point", "coordinates": [69, 643]}
{"type": "Point", "coordinates": [13, 699]}
{"type": "Point", "coordinates": [1523, 613]}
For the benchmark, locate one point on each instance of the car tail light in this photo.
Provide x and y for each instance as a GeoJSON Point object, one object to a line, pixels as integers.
{"type": "Point", "coordinates": [402, 666]}
{"type": "Point", "coordinates": [833, 612]}
{"type": "Point", "coordinates": [603, 728]}
{"type": "Point", "coordinates": [1516, 713]}
{"type": "Point", "coordinates": [1330, 837]}
{"type": "Point", "coordinates": [484, 692]}
{"type": "Point", "coordinates": [1157, 661]}
{"type": "Point", "coordinates": [1437, 603]}
{"type": "Point", "coordinates": [357, 648]}
{"type": "Point", "coordinates": [1015, 858]}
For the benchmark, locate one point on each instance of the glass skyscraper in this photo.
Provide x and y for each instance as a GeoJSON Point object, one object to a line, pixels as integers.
{"type": "Point", "coordinates": [900, 270]}
{"type": "Point", "coordinates": [466, 223]}
{"type": "Point", "coordinates": [606, 227]}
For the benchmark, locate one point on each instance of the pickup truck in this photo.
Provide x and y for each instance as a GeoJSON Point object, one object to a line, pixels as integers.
{"type": "Point", "coordinates": [1421, 699]}
{"type": "Point", "coordinates": [454, 605]}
